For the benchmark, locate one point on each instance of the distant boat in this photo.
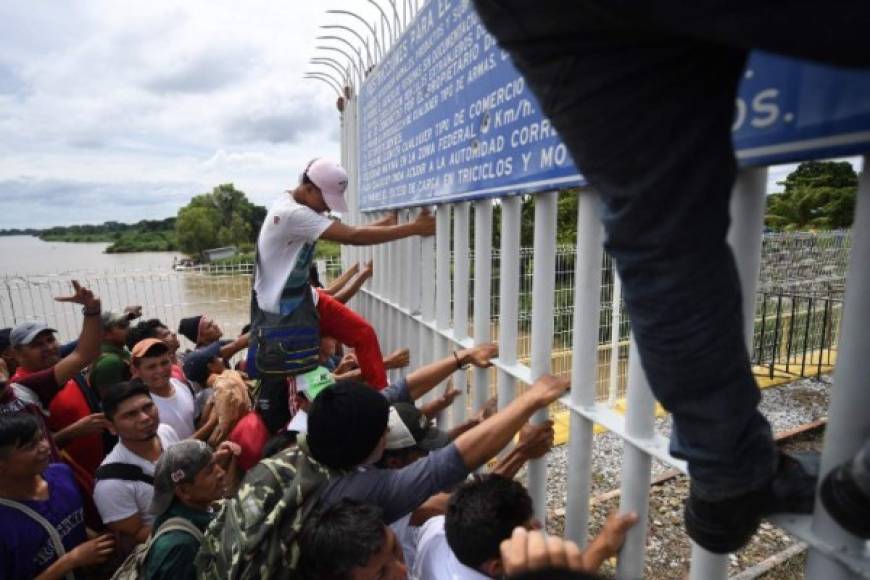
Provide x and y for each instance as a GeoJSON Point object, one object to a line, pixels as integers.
{"type": "Point", "coordinates": [219, 253]}
{"type": "Point", "coordinates": [184, 264]}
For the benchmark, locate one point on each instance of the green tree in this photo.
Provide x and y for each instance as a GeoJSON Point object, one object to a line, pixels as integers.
{"type": "Point", "coordinates": [195, 228]}
{"type": "Point", "coordinates": [223, 217]}
{"type": "Point", "coordinates": [816, 195]}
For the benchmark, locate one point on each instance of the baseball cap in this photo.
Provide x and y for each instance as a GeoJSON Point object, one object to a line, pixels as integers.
{"type": "Point", "coordinates": [410, 428]}
{"type": "Point", "coordinates": [141, 348]}
{"type": "Point", "coordinates": [25, 332]}
{"type": "Point", "coordinates": [196, 362]}
{"type": "Point", "coordinates": [313, 382]}
{"type": "Point", "coordinates": [178, 464]}
{"type": "Point", "coordinates": [331, 179]}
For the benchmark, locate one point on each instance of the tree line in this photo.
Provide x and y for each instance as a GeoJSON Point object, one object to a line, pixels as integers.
{"type": "Point", "coordinates": [818, 195]}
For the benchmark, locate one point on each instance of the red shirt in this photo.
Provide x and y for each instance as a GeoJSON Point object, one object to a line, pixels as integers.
{"type": "Point", "coordinates": [68, 406]}
{"type": "Point", "coordinates": [43, 386]}
{"type": "Point", "coordinates": [251, 434]}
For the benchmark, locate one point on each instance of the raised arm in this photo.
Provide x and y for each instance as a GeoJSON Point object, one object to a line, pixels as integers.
{"type": "Point", "coordinates": [424, 379]}
{"type": "Point", "coordinates": [231, 348]}
{"type": "Point", "coordinates": [369, 235]}
{"type": "Point", "coordinates": [88, 348]}
{"type": "Point", "coordinates": [483, 442]}
{"type": "Point", "coordinates": [347, 292]}
{"type": "Point", "coordinates": [339, 282]}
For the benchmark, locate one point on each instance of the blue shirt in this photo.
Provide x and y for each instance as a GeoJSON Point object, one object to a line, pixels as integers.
{"type": "Point", "coordinates": [25, 547]}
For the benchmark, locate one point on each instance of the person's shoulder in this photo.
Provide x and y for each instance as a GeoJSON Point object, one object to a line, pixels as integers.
{"type": "Point", "coordinates": [167, 434]}
{"type": "Point", "coordinates": [58, 472]}
{"type": "Point", "coordinates": [36, 378]}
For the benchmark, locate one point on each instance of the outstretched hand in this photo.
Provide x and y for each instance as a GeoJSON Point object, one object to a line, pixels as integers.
{"type": "Point", "coordinates": [425, 223]}
{"type": "Point", "coordinates": [536, 440]}
{"type": "Point", "coordinates": [548, 388]}
{"type": "Point", "coordinates": [531, 550]}
{"type": "Point", "coordinates": [81, 295]}
{"type": "Point", "coordinates": [481, 355]}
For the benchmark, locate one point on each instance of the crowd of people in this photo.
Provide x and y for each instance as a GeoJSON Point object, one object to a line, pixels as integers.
{"type": "Point", "coordinates": [121, 456]}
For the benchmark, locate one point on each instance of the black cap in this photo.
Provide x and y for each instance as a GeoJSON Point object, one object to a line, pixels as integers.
{"type": "Point", "coordinates": [189, 328]}
{"type": "Point", "coordinates": [345, 424]}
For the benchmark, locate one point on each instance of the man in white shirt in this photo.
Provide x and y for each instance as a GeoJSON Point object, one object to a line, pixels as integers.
{"type": "Point", "coordinates": [464, 543]}
{"type": "Point", "coordinates": [285, 250]}
{"type": "Point", "coordinates": [151, 362]}
{"type": "Point", "coordinates": [124, 481]}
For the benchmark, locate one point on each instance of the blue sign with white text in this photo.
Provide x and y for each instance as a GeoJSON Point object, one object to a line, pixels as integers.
{"type": "Point", "coordinates": [447, 117]}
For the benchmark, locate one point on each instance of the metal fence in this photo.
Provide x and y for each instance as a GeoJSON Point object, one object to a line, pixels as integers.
{"type": "Point", "coordinates": [426, 301]}
{"type": "Point", "coordinates": [791, 331]}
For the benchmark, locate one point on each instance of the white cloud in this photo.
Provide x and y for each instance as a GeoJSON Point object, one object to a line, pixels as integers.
{"type": "Point", "coordinates": [126, 110]}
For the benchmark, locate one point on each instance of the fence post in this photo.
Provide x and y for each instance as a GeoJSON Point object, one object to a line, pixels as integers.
{"type": "Point", "coordinates": [482, 293]}
{"type": "Point", "coordinates": [442, 286]}
{"type": "Point", "coordinates": [509, 302]}
{"type": "Point", "coordinates": [460, 302]}
{"type": "Point", "coordinates": [615, 323]}
{"type": "Point", "coordinates": [543, 284]}
{"type": "Point", "coordinates": [584, 361]}
{"type": "Point", "coordinates": [849, 424]}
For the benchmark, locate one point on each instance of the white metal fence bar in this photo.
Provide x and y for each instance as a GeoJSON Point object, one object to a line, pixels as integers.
{"type": "Point", "coordinates": [543, 283]}
{"type": "Point", "coordinates": [509, 290]}
{"type": "Point", "coordinates": [482, 293]}
{"type": "Point", "coordinates": [442, 284]}
{"type": "Point", "coordinates": [584, 362]}
{"type": "Point", "coordinates": [460, 300]}
{"type": "Point", "coordinates": [849, 425]}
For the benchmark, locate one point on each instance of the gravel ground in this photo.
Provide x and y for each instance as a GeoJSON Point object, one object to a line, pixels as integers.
{"type": "Point", "coordinates": [668, 548]}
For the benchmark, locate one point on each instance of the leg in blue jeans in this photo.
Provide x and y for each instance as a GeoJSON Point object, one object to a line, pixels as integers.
{"type": "Point", "coordinates": [643, 95]}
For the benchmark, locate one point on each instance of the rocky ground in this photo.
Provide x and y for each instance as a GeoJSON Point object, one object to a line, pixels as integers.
{"type": "Point", "coordinates": [668, 548]}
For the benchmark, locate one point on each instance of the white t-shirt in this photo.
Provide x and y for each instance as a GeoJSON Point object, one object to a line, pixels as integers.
{"type": "Point", "coordinates": [178, 410]}
{"type": "Point", "coordinates": [118, 499]}
{"type": "Point", "coordinates": [285, 245]}
{"type": "Point", "coordinates": [406, 534]}
{"type": "Point", "coordinates": [435, 560]}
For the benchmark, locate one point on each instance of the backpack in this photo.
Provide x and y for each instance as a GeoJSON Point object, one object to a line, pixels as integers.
{"type": "Point", "coordinates": [124, 471]}
{"type": "Point", "coordinates": [284, 344]}
{"type": "Point", "coordinates": [133, 566]}
{"type": "Point", "coordinates": [255, 534]}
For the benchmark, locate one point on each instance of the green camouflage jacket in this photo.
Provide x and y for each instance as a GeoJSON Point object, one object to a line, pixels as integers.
{"type": "Point", "coordinates": [254, 535]}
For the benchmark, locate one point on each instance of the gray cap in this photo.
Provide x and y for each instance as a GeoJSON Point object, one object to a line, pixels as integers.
{"type": "Point", "coordinates": [111, 319]}
{"type": "Point", "coordinates": [25, 332]}
{"type": "Point", "coordinates": [411, 428]}
{"type": "Point", "coordinates": [178, 464]}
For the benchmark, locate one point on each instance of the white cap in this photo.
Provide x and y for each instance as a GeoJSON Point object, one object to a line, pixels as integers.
{"type": "Point", "coordinates": [331, 179]}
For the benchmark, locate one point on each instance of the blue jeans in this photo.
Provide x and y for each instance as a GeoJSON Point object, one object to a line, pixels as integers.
{"type": "Point", "coordinates": [643, 95]}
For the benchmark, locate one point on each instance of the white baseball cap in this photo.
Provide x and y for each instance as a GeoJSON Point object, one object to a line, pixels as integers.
{"type": "Point", "coordinates": [331, 179]}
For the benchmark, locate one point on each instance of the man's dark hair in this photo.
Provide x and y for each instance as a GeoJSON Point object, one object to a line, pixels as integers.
{"type": "Point", "coordinates": [17, 429]}
{"type": "Point", "coordinates": [120, 392]}
{"type": "Point", "coordinates": [481, 514]}
{"type": "Point", "coordinates": [145, 329]}
{"type": "Point", "coordinates": [338, 538]}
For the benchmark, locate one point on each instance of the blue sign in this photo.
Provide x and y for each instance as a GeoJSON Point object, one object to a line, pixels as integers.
{"type": "Point", "coordinates": [446, 117]}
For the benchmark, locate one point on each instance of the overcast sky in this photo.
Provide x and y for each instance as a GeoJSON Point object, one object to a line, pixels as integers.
{"type": "Point", "coordinates": [124, 110]}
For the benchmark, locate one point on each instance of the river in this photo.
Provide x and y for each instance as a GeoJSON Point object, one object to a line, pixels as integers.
{"type": "Point", "coordinates": [34, 271]}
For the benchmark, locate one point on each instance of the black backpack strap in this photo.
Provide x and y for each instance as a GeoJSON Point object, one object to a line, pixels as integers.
{"type": "Point", "coordinates": [125, 471]}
